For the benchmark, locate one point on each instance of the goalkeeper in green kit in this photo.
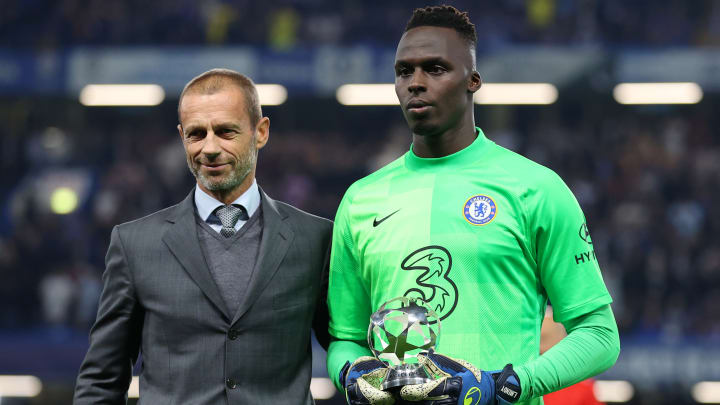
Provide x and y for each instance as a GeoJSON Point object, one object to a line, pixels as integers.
{"type": "Point", "coordinates": [484, 236]}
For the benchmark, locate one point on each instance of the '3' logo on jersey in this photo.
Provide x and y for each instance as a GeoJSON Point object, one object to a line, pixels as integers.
{"type": "Point", "coordinates": [434, 285]}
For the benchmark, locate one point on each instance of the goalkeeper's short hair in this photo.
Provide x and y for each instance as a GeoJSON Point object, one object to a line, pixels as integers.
{"type": "Point", "coordinates": [444, 16]}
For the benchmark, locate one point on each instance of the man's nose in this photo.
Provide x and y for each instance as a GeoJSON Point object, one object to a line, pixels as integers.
{"type": "Point", "coordinates": [211, 146]}
{"type": "Point", "coordinates": [417, 83]}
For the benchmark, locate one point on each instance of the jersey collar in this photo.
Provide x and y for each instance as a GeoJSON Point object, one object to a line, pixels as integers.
{"type": "Point", "coordinates": [456, 160]}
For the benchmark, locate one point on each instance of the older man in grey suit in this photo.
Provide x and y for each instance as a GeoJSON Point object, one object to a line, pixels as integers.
{"type": "Point", "coordinates": [219, 292]}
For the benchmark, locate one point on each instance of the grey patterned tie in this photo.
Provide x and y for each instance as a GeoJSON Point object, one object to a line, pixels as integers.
{"type": "Point", "coordinates": [229, 215]}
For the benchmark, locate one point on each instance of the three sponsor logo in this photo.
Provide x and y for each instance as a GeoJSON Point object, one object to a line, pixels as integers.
{"type": "Point", "coordinates": [433, 283]}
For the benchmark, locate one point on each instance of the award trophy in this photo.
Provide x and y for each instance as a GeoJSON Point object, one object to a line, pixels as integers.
{"type": "Point", "coordinates": [401, 329]}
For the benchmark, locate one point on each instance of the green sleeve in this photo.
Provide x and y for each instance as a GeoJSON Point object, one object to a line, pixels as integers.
{"type": "Point", "coordinates": [566, 260]}
{"type": "Point", "coordinates": [591, 347]}
{"type": "Point", "coordinates": [340, 352]}
{"type": "Point", "coordinates": [348, 299]}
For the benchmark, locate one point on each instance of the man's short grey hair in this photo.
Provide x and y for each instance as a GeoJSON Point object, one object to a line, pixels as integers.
{"type": "Point", "coordinates": [216, 80]}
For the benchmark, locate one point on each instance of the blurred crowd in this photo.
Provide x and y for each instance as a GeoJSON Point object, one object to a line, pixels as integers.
{"type": "Point", "coordinates": [648, 180]}
{"type": "Point", "coordinates": [289, 24]}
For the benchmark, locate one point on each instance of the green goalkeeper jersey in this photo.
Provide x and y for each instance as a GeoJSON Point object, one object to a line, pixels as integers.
{"type": "Point", "coordinates": [484, 236]}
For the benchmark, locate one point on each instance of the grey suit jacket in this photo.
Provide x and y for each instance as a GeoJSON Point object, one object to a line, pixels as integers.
{"type": "Point", "coordinates": [159, 298]}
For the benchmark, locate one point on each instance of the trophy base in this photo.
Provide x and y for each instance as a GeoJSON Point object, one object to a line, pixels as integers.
{"type": "Point", "coordinates": [405, 374]}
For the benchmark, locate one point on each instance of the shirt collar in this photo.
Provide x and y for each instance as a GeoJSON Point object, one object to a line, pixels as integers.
{"type": "Point", "coordinates": [207, 204]}
{"type": "Point", "coordinates": [457, 160]}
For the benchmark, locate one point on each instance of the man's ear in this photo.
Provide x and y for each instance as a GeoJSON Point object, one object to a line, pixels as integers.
{"type": "Point", "coordinates": [262, 131]}
{"type": "Point", "coordinates": [475, 82]}
{"type": "Point", "coordinates": [180, 131]}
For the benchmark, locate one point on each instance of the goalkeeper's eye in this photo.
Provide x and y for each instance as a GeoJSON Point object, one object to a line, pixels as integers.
{"type": "Point", "coordinates": [403, 71]}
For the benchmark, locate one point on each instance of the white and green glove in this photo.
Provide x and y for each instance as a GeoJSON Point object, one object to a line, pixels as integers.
{"type": "Point", "coordinates": [361, 381]}
{"type": "Point", "coordinates": [457, 382]}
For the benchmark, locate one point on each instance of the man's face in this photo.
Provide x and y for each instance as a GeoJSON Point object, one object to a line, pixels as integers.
{"type": "Point", "coordinates": [220, 142]}
{"type": "Point", "coordinates": [434, 79]}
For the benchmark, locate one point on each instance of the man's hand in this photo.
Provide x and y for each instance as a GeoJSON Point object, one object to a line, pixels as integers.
{"type": "Point", "coordinates": [459, 382]}
{"type": "Point", "coordinates": [362, 380]}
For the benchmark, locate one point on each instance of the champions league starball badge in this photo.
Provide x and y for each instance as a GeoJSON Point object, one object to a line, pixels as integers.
{"type": "Point", "coordinates": [399, 330]}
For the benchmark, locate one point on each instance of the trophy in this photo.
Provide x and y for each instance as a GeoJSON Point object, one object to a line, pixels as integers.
{"type": "Point", "coordinates": [401, 329]}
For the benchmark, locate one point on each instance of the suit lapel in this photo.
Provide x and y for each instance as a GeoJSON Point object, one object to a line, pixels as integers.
{"type": "Point", "coordinates": [182, 240]}
{"type": "Point", "coordinates": [276, 239]}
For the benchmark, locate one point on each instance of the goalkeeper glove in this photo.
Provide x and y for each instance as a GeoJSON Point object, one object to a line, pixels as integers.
{"type": "Point", "coordinates": [459, 382]}
{"type": "Point", "coordinates": [361, 381]}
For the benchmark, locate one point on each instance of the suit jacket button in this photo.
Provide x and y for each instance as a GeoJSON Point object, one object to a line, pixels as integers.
{"type": "Point", "coordinates": [233, 334]}
{"type": "Point", "coordinates": [230, 383]}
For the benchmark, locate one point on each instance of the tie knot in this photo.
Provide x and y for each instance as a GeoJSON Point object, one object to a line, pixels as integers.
{"type": "Point", "coordinates": [229, 215]}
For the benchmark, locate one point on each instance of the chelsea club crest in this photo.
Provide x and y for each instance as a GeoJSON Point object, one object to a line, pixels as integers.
{"type": "Point", "coordinates": [480, 210]}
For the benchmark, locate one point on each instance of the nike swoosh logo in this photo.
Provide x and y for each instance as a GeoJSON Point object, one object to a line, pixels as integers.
{"type": "Point", "coordinates": [376, 222]}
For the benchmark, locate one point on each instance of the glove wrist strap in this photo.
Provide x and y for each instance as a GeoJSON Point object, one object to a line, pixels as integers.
{"type": "Point", "coordinates": [507, 384]}
{"type": "Point", "coordinates": [343, 373]}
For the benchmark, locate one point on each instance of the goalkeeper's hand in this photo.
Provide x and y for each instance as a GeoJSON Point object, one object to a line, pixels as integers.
{"type": "Point", "coordinates": [361, 381]}
{"type": "Point", "coordinates": [459, 382]}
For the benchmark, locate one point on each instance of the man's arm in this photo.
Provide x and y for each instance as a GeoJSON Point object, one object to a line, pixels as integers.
{"type": "Point", "coordinates": [591, 347]}
{"type": "Point", "coordinates": [341, 352]}
{"type": "Point", "coordinates": [349, 307]}
{"type": "Point", "coordinates": [105, 373]}
{"type": "Point", "coordinates": [570, 273]}
{"type": "Point", "coordinates": [322, 317]}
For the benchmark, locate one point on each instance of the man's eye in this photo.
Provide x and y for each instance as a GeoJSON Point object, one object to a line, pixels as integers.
{"type": "Point", "coordinates": [403, 72]}
{"type": "Point", "coordinates": [437, 69]}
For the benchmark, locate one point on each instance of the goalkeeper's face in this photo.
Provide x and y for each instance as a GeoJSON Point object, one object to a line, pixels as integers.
{"type": "Point", "coordinates": [434, 79]}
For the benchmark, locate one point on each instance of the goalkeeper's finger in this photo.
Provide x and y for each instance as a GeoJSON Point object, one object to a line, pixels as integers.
{"type": "Point", "coordinates": [436, 392]}
{"type": "Point", "coordinates": [431, 367]}
{"type": "Point", "coordinates": [440, 364]}
{"type": "Point", "coordinates": [362, 393]}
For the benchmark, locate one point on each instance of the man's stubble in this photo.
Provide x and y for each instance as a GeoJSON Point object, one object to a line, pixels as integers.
{"type": "Point", "coordinates": [235, 178]}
